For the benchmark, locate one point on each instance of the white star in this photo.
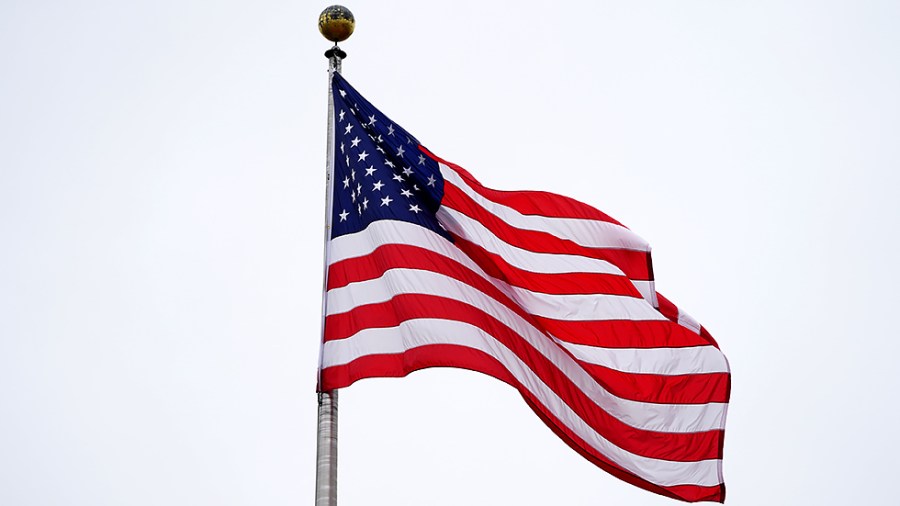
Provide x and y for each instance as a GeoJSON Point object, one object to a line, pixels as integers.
{"type": "Point", "coordinates": [362, 156]}
{"type": "Point", "coordinates": [416, 187]}
{"type": "Point", "coordinates": [353, 143]}
{"type": "Point", "coordinates": [408, 140]}
{"type": "Point", "coordinates": [389, 163]}
{"type": "Point", "coordinates": [431, 180]}
{"type": "Point", "coordinates": [342, 147]}
{"type": "Point", "coordinates": [421, 159]}
{"type": "Point", "coordinates": [406, 193]}
{"type": "Point", "coordinates": [378, 148]}
{"type": "Point", "coordinates": [407, 171]}
{"type": "Point", "coordinates": [343, 93]}
{"type": "Point", "coordinates": [377, 186]}
{"type": "Point", "coordinates": [372, 120]}
{"type": "Point", "coordinates": [344, 215]}
{"type": "Point", "coordinates": [380, 139]}
{"type": "Point", "coordinates": [387, 200]}
{"type": "Point", "coordinates": [341, 118]}
{"type": "Point", "coordinates": [365, 203]}
{"type": "Point", "coordinates": [390, 128]}
{"type": "Point", "coordinates": [359, 189]}
{"type": "Point", "coordinates": [398, 177]}
{"type": "Point", "coordinates": [353, 174]}
{"type": "Point", "coordinates": [346, 182]}
{"type": "Point", "coordinates": [370, 170]}
{"type": "Point", "coordinates": [359, 209]}
{"type": "Point", "coordinates": [414, 208]}
{"type": "Point", "coordinates": [400, 151]}
{"type": "Point", "coordinates": [353, 196]}
{"type": "Point", "coordinates": [349, 127]}
{"type": "Point", "coordinates": [347, 160]}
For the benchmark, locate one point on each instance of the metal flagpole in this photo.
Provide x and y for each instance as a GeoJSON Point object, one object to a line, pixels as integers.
{"type": "Point", "coordinates": [326, 450]}
{"type": "Point", "coordinates": [336, 23]}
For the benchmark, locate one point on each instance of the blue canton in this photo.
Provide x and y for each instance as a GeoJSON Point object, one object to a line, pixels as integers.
{"type": "Point", "coordinates": [379, 171]}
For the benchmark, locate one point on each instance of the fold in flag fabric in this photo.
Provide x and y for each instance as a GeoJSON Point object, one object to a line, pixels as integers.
{"type": "Point", "coordinates": [426, 267]}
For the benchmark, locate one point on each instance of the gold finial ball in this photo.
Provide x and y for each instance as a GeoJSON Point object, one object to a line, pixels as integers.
{"type": "Point", "coordinates": [336, 23]}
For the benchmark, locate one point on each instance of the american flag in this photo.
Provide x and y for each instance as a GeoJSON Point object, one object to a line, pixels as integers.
{"type": "Point", "coordinates": [426, 267]}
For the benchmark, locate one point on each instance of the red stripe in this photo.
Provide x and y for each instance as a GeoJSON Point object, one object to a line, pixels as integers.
{"type": "Point", "coordinates": [414, 257]}
{"type": "Point", "coordinates": [633, 263]}
{"type": "Point", "coordinates": [670, 311]}
{"type": "Point", "coordinates": [689, 493]}
{"type": "Point", "coordinates": [531, 202]}
{"type": "Point", "coordinates": [706, 335]}
{"type": "Point", "coordinates": [667, 308]}
{"type": "Point", "coordinates": [386, 257]}
{"type": "Point", "coordinates": [668, 446]}
{"type": "Point", "coordinates": [438, 355]}
{"type": "Point", "coordinates": [607, 334]}
{"type": "Point", "coordinates": [663, 389]}
{"type": "Point", "coordinates": [568, 283]}
{"type": "Point", "coordinates": [622, 333]}
{"type": "Point", "coordinates": [423, 357]}
{"type": "Point", "coordinates": [680, 389]}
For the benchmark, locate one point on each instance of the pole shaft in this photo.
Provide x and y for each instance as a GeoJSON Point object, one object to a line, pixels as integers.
{"type": "Point", "coordinates": [326, 440]}
{"type": "Point", "coordinates": [326, 450]}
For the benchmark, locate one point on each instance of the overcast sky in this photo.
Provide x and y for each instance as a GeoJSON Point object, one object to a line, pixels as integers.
{"type": "Point", "coordinates": [161, 212]}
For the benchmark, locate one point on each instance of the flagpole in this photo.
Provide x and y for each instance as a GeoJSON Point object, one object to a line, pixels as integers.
{"type": "Point", "coordinates": [336, 23]}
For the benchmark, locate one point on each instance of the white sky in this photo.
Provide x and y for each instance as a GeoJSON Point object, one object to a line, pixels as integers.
{"type": "Point", "coordinates": [161, 208]}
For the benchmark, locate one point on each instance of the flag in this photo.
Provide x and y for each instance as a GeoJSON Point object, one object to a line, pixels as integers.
{"type": "Point", "coordinates": [426, 267]}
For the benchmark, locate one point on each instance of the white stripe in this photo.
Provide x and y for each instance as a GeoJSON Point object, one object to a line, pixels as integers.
{"type": "Point", "coordinates": [665, 361]}
{"type": "Point", "coordinates": [586, 232]}
{"type": "Point", "coordinates": [383, 232]}
{"type": "Point", "coordinates": [585, 307]}
{"type": "Point", "coordinates": [597, 307]}
{"type": "Point", "coordinates": [415, 333]}
{"type": "Point", "coordinates": [474, 231]}
{"type": "Point", "coordinates": [642, 415]}
{"type": "Point", "coordinates": [560, 307]}
{"type": "Point", "coordinates": [388, 232]}
{"type": "Point", "coordinates": [648, 290]}
{"type": "Point", "coordinates": [685, 320]}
